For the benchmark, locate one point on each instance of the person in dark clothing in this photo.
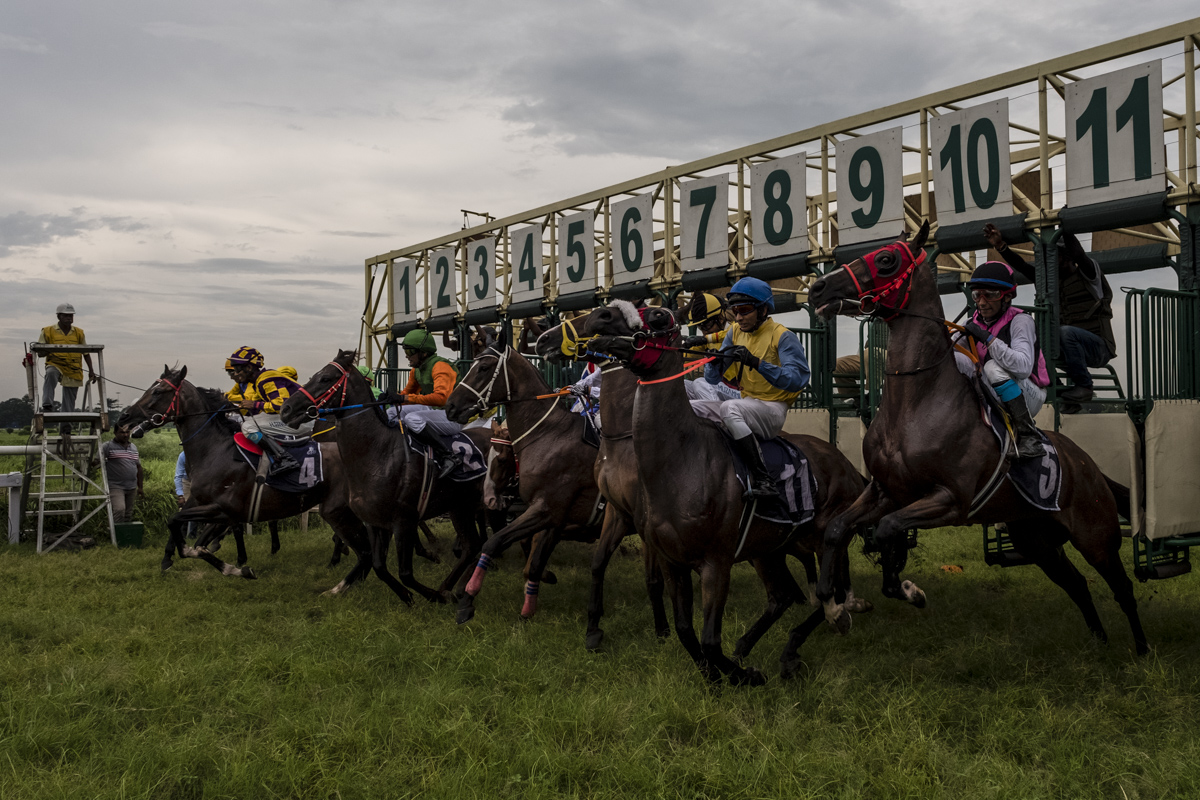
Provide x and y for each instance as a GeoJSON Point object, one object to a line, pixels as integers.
{"type": "Point", "coordinates": [1085, 310]}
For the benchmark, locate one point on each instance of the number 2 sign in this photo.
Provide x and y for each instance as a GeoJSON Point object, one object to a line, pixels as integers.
{"type": "Point", "coordinates": [1115, 135]}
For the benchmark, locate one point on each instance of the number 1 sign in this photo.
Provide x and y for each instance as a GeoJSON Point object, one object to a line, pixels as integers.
{"type": "Point", "coordinates": [1115, 135]}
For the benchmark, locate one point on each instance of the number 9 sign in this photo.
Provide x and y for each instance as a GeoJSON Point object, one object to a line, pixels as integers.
{"type": "Point", "coordinates": [870, 187]}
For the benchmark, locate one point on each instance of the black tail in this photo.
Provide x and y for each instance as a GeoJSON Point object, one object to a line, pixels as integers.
{"type": "Point", "coordinates": [1121, 493]}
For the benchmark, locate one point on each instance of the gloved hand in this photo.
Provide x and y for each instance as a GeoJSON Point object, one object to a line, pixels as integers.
{"type": "Point", "coordinates": [694, 341]}
{"type": "Point", "coordinates": [981, 336]}
{"type": "Point", "coordinates": [390, 397]}
{"type": "Point", "coordinates": [743, 355]}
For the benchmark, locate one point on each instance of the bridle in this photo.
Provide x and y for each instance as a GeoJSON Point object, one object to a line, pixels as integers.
{"type": "Point", "coordinates": [876, 299]}
{"type": "Point", "coordinates": [483, 400]}
{"type": "Point", "coordinates": [318, 403]}
{"type": "Point", "coordinates": [158, 420]}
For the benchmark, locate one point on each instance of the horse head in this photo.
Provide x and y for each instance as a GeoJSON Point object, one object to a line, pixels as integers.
{"type": "Point", "coordinates": [569, 340]}
{"type": "Point", "coordinates": [336, 384]}
{"type": "Point", "coordinates": [876, 284]}
{"type": "Point", "coordinates": [635, 336]}
{"type": "Point", "coordinates": [486, 384]}
{"type": "Point", "coordinates": [159, 404]}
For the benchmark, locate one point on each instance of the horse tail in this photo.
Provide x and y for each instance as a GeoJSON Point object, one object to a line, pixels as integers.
{"type": "Point", "coordinates": [1121, 493]}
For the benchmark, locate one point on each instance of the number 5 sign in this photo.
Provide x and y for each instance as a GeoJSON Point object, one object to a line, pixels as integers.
{"type": "Point", "coordinates": [1115, 135]}
{"type": "Point", "coordinates": [870, 187]}
{"type": "Point", "coordinates": [971, 164]}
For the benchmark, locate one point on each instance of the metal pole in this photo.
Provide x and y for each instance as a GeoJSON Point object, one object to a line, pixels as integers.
{"type": "Point", "coordinates": [925, 163]}
{"type": "Point", "coordinates": [1044, 145]}
{"type": "Point", "coordinates": [1189, 116]}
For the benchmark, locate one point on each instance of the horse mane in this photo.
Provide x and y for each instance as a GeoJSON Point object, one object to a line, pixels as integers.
{"type": "Point", "coordinates": [213, 399]}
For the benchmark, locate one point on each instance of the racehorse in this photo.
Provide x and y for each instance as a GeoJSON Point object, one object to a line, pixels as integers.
{"type": "Point", "coordinates": [224, 488]}
{"type": "Point", "coordinates": [692, 501]}
{"type": "Point", "coordinates": [931, 456]}
{"type": "Point", "coordinates": [557, 482]}
{"type": "Point", "coordinates": [386, 480]}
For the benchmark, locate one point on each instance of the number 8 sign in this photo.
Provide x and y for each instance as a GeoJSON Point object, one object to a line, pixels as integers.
{"type": "Point", "coordinates": [779, 209]}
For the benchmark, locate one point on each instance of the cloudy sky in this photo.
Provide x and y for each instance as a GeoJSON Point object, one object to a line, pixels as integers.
{"type": "Point", "coordinates": [198, 176]}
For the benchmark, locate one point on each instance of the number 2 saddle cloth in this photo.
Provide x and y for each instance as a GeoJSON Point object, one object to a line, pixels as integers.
{"type": "Point", "coordinates": [307, 455]}
{"type": "Point", "coordinates": [472, 464]}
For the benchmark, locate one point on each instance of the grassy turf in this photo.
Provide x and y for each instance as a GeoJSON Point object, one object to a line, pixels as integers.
{"type": "Point", "coordinates": [118, 682]}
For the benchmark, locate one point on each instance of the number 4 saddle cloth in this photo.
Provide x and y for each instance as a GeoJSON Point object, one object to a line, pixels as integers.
{"type": "Point", "coordinates": [472, 465]}
{"type": "Point", "coordinates": [308, 455]}
{"type": "Point", "coordinates": [1038, 480]}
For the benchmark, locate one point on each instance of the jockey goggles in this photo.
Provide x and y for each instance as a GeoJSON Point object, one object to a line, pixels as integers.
{"type": "Point", "coordinates": [988, 294]}
{"type": "Point", "coordinates": [744, 308]}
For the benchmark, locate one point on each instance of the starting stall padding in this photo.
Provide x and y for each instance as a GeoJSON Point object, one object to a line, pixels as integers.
{"type": "Point", "coordinates": [1172, 453]}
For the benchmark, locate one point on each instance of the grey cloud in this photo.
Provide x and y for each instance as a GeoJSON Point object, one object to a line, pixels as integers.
{"type": "Point", "coordinates": [360, 234]}
{"type": "Point", "coordinates": [27, 230]}
{"type": "Point", "coordinates": [22, 45]}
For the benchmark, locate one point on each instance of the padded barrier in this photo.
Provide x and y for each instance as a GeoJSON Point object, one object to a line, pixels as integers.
{"type": "Point", "coordinates": [850, 434]}
{"type": "Point", "coordinates": [789, 266]}
{"type": "Point", "coordinates": [1172, 444]}
{"type": "Point", "coordinates": [444, 322]}
{"type": "Point", "coordinates": [525, 308]}
{"type": "Point", "coordinates": [808, 422]}
{"type": "Point", "coordinates": [482, 316]}
{"type": "Point", "coordinates": [1104, 437]}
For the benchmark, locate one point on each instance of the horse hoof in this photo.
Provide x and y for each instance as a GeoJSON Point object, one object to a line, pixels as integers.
{"type": "Point", "coordinates": [740, 650]}
{"type": "Point", "coordinates": [549, 577]}
{"type": "Point", "coordinates": [248, 574]}
{"type": "Point", "coordinates": [789, 667]}
{"type": "Point", "coordinates": [859, 605]}
{"type": "Point", "coordinates": [466, 610]}
{"type": "Point", "coordinates": [593, 640]}
{"type": "Point", "coordinates": [663, 634]}
{"type": "Point", "coordinates": [913, 594]}
{"type": "Point", "coordinates": [747, 677]}
{"type": "Point", "coordinates": [842, 622]}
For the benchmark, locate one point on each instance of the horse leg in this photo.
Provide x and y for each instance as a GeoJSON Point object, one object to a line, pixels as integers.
{"type": "Point", "coordinates": [714, 592]}
{"type": "Point", "coordinates": [809, 562]}
{"type": "Point", "coordinates": [1109, 565]}
{"type": "Point", "coordinates": [420, 549]}
{"type": "Point", "coordinates": [655, 583]}
{"type": "Point", "coordinates": [872, 504]}
{"type": "Point", "coordinates": [210, 513]}
{"type": "Point", "coordinates": [679, 581]}
{"type": "Point", "coordinates": [380, 538]}
{"type": "Point", "coordinates": [273, 526]}
{"type": "Point", "coordinates": [470, 537]}
{"type": "Point", "coordinates": [523, 527]}
{"type": "Point", "coordinates": [406, 532]}
{"type": "Point", "coordinates": [773, 579]}
{"type": "Point", "coordinates": [174, 542]}
{"type": "Point", "coordinates": [239, 537]}
{"type": "Point", "coordinates": [349, 532]}
{"type": "Point", "coordinates": [612, 531]}
{"type": "Point", "coordinates": [789, 660]}
{"type": "Point", "coordinates": [543, 545]}
{"type": "Point", "coordinates": [935, 509]}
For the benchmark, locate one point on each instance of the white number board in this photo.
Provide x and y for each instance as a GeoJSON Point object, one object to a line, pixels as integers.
{"type": "Point", "coordinates": [779, 207]}
{"type": "Point", "coordinates": [633, 239]}
{"type": "Point", "coordinates": [442, 267]}
{"type": "Point", "coordinates": [481, 272]}
{"type": "Point", "coordinates": [525, 278]}
{"type": "Point", "coordinates": [971, 166]}
{"type": "Point", "coordinates": [1115, 135]}
{"type": "Point", "coordinates": [704, 222]}
{"type": "Point", "coordinates": [870, 187]}
{"type": "Point", "coordinates": [577, 252]}
{"type": "Point", "coordinates": [406, 302]}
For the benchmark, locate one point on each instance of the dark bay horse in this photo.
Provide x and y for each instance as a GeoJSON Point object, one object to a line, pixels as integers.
{"type": "Point", "coordinates": [930, 454]}
{"type": "Point", "coordinates": [385, 477]}
{"type": "Point", "coordinates": [692, 501]}
{"type": "Point", "coordinates": [224, 486]}
{"type": "Point", "coordinates": [557, 482]}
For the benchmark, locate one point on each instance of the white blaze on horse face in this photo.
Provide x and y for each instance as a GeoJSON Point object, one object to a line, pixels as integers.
{"type": "Point", "coordinates": [629, 311]}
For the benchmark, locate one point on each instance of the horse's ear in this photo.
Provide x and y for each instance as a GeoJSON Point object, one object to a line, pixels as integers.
{"type": "Point", "coordinates": [922, 234]}
{"type": "Point", "coordinates": [183, 372]}
{"type": "Point", "coordinates": [166, 371]}
{"type": "Point", "coordinates": [503, 340]}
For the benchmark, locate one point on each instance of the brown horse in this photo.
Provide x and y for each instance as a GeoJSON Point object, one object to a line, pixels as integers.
{"type": "Point", "coordinates": [386, 478]}
{"type": "Point", "coordinates": [930, 454]}
{"type": "Point", "coordinates": [691, 501]}
{"type": "Point", "coordinates": [557, 482]}
{"type": "Point", "coordinates": [224, 486]}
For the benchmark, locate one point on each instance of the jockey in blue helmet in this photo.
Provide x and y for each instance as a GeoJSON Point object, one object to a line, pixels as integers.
{"type": "Point", "coordinates": [768, 366]}
{"type": "Point", "coordinates": [1007, 347]}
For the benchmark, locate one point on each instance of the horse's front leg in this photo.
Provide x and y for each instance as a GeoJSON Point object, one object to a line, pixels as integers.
{"type": "Point", "coordinates": [535, 519]}
{"type": "Point", "coordinates": [239, 538]}
{"type": "Point", "coordinates": [273, 526]}
{"type": "Point", "coordinates": [714, 589]}
{"type": "Point", "coordinates": [872, 504]}
{"type": "Point", "coordinates": [936, 509]}
{"type": "Point", "coordinates": [612, 532]}
{"type": "Point", "coordinates": [782, 592]}
{"type": "Point", "coordinates": [405, 531]}
{"type": "Point", "coordinates": [543, 545]}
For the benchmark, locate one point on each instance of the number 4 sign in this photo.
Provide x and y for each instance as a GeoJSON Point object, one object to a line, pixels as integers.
{"type": "Point", "coordinates": [1115, 135]}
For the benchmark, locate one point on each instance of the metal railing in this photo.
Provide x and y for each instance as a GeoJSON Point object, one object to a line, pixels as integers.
{"type": "Point", "coordinates": [1162, 327]}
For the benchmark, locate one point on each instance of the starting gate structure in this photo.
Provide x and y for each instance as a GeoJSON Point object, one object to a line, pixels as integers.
{"type": "Point", "coordinates": [1099, 143]}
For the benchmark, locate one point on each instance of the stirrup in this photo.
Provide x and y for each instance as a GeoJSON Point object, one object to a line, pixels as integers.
{"type": "Point", "coordinates": [760, 488]}
{"type": "Point", "coordinates": [282, 465]}
{"type": "Point", "coordinates": [447, 465]}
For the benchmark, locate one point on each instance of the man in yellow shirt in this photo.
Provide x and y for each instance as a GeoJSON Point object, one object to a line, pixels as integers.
{"type": "Point", "coordinates": [64, 368]}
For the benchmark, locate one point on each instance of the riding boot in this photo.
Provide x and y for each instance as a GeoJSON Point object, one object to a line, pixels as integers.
{"type": "Point", "coordinates": [1029, 440]}
{"type": "Point", "coordinates": [761, 482]}
{"type": "Point", "coordinates": [281, 461]}
{"type": "Point", "coordinates": [447, 459]}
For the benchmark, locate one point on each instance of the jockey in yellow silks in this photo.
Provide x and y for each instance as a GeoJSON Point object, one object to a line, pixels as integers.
{"type": "Point", "coordinates": [768, 366]}
{"type": "Point", "coordinates": [265, 393]}
{"type": "Point", "coordinates": [708, 313]}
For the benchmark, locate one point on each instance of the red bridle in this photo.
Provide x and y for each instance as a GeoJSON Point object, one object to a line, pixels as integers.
{"type": "Point", "coordinates": [340, 383]}
{"type": "Point", "coordinates": [159, 419]}
{"type": "Point", "coordinates": [872, 304]}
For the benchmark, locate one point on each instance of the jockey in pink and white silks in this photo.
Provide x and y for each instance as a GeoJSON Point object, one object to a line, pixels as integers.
{"type": "Point", "coordinates": [1006, 343]}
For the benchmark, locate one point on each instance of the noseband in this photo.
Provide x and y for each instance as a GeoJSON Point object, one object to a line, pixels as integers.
{"type": "Point", "coordinates": [483, 400]}
{"type": "Point", "coordinates": [160, 419]}
{"type": "Point", "coordinates": [885, 301]}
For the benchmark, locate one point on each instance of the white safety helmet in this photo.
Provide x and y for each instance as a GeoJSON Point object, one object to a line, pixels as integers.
{"type": "Point", "coordinates": [65, 308]}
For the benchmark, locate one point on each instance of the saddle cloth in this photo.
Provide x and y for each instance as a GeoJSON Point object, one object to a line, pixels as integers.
{"type": "Point", "coordinates": [1038, 480]}
{"type": "Point", "coordinates": [308, 455]}
{"type": "Point", "coordinates": [591, 427]}
{"type": "Point", "coordinates": [793, 477]}
{"type": "Point", "coordinates": [472, 464]}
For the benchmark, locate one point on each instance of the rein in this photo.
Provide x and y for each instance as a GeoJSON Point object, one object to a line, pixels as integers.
{"type": "Point", "coordinates": [314, 410]}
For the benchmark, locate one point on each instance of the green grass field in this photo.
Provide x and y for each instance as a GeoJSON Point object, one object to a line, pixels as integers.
{"type": "Point", "coordinates": [118, 682]}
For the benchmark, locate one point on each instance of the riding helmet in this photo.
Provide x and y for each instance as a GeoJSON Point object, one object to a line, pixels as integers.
{"type": "Point", "coordinates": [419, 339]}
{"type": "Point", "coordinates": [993, 274]}
{"type": "Point", "coordinates": [247, 355]}
{"type": "Point", "coordinates": [751, 290]}
{"type": "Point", "coordinates": [704, 307]}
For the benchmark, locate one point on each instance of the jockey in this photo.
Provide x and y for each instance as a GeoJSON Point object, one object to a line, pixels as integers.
{"type": "Point", "coordinates": [707, 312]}
{"type": "Point", "coordinates": [239, 392]}
{"type": "Point", "coordinates": [365, 371]}
{"type": "Point", "coordinates": [265, 393]}
{"type": "Point", "coordinates": [1007, 346]}
{"type": "Point", "coordinates": [430, 383]}
{"type": "Point", "coordinates": [770, 368]}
